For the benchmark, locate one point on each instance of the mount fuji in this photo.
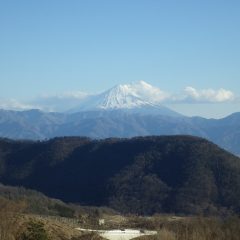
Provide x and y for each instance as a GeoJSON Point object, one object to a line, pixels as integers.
{"type": "Point", "coordinates": [126, 110]}
{"type": "Point", "coordinates": [139, 97]}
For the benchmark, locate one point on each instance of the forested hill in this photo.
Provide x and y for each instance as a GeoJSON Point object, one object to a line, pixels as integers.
{"type": "Point", "coordinates": [144, 175]}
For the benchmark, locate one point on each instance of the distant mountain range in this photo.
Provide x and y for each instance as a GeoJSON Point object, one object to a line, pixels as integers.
{"type": "Point", "coordinates": [37, 125]}
{"type": "Point", "coordinates": [123, 111]}
{"type": "Point", "coordinates": [142, 175]}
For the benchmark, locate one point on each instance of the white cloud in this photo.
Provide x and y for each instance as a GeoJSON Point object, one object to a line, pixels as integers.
{"type": "Point", "coordinates": [65, 95]}
{"type": "Point", "coordinates": [13, 104]}
{"type": "Point", "coordinates": [56, 102]}
{"type": "Point", "coordinates": [150, 92]}
{"type": "Point", "coordinates": [69, 100]}
{"type": "Point", "coordinates": [60, 102]}
{"type": "Point", "coordinates": [208, 95]}
{"type": "Point", "coordinates": [188, 95]}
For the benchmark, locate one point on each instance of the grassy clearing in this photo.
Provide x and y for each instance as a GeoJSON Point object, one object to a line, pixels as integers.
{"type": "Point", "coordinates": [196, 228]}
{"type": "Point", "coordinates": [14, 222]}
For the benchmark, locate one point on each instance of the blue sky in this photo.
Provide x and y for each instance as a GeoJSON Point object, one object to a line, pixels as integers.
{"type": "Point", "coordinates": [54, 46]}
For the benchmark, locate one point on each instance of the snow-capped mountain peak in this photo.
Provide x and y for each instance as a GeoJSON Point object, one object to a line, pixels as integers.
{"type": "Point", "coordinates": [123, 96]}
{"type": "Point", "coordinates": [132, 95]}
{"type": "Point", "coordinates": [138, 97]}
{"type": "Point", "coordinates": [120, 96]}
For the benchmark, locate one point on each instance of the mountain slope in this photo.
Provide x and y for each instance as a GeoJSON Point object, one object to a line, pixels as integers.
{"type": "Point", "coordinates": [138, 97]}
{"type": "Point", "coordinates": [38, 125]}
{"type": "Point", "coordinates": [36, 202]}
{"type": "Point", "coordinates": [142, 175]}
{"type": "Point", "coordinates": [31, 124]}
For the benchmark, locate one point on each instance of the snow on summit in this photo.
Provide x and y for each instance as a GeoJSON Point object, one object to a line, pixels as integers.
{"type": "Point", "coordinates": [139, 97]}
{"type": "Point", "coordinates": [125, 96]}
{"type": "Point", "coordinates": [120, 96]}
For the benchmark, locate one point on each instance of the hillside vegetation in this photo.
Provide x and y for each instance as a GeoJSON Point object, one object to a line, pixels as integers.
{"type": "Point", "coordinates": [145, 175]}
{"type": "Point", "coordinates": [36, 202]}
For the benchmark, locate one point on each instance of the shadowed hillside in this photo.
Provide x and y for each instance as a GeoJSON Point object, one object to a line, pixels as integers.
{"type": "Point", "coordinates": [142, 175]}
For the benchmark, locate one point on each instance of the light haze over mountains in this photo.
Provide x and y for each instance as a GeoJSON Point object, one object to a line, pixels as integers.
{"type": "Point", "coordinates": [136, 109]}
{"type": "Point", "coordinates": [132, 95]}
